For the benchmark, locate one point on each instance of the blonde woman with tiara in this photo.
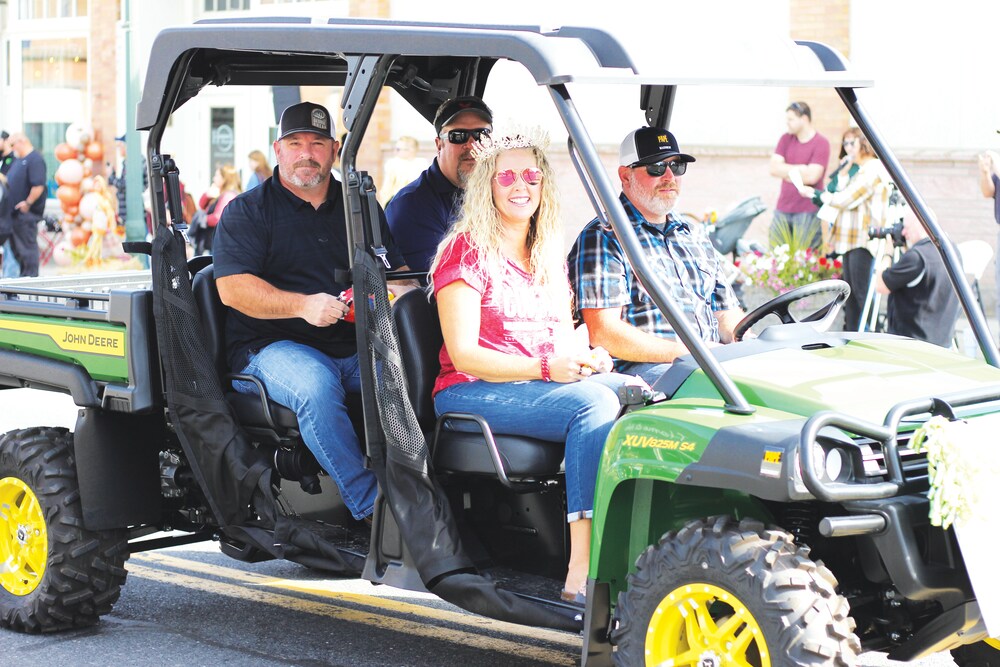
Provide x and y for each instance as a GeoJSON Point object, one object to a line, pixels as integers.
{"type": "Point", "coordinates": [509, 353]}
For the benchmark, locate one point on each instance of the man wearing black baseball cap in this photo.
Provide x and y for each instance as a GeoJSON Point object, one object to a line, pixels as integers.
{"type": "Point", "coordinates": [422, 212]}
{"type": "Point", "coordinates": [618, 312]}
{"type": "Point", "coordinates": [280, 251]}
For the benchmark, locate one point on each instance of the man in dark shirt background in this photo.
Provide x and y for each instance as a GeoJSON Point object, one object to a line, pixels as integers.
{"type": "Point", "coordinates": [6, 153]}
{"type": "Point", "coordinates": [922, 300]}
{"type": "Point", "coordinates": [422, 212]}
{"type": "Point", "coordinates": [26, 185]}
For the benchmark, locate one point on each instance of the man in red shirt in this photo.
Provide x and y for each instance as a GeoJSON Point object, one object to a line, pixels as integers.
{"type": "Point", "coordinates": [801, 156]}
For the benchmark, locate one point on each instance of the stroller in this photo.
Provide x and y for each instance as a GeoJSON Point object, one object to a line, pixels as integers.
{"type": "Point", "coordinates": [726, 235]}
{"type": "Point", "coordinates": [727, 232]}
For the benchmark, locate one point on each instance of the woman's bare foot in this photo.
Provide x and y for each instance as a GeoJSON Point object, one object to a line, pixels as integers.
{"type": "Point", "coordinates": [579, 558]}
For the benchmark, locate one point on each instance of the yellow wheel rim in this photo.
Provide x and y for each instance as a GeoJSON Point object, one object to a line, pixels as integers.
{"type": "Point", "coordinates": [702, 624]}
{"type": "Point", "coordinates": [24, 541]}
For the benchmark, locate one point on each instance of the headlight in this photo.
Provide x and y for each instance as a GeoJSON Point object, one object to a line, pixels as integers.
{"type": "Point", "coordinates": [835, 463]}
{"type": "Point", "coordinates": [830, 464]}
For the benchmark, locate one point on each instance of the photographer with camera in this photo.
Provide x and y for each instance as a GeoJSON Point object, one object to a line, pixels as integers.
{"type": "Point", "coordinates": [922, 301]}
{"type": "Point", "coordinates": [855, 200]}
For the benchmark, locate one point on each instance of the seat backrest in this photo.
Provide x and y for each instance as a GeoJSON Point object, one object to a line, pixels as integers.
{"type": "Point", "coordinates": [420, 344]}
{"type": "Point", "coordinates": [213, 316]}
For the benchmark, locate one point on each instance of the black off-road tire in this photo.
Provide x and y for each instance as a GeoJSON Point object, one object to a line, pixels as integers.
{"type": "Point", "coordinates": [84, 570]}
{"type": "Point", "coordinates": [979, 654]}
{"type": "Point", "coordinates": [791, 598]}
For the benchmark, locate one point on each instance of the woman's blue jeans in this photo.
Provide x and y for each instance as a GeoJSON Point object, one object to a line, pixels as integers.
{"type": "Point", "coordinates": [315, 386]}
{"type": "Point", "coordinates": [579, 413]}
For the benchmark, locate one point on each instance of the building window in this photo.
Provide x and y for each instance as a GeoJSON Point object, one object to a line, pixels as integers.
{"type": "Point", "coordinates": [54, 82]}
{"type": "Point", "coordinates": [45, 137]}
{"type": "Point", "coordinates": [226, 5]}
{"type": "Point", "coordinates": [54, 64]}
{"type": "Point", "coordinates": [50, 9]}
{"type": "Point", "coordinates": [222, 138]}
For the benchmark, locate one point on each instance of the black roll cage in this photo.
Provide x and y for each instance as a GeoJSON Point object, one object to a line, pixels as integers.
{"type": "Point", "coordinates": [428, 63]}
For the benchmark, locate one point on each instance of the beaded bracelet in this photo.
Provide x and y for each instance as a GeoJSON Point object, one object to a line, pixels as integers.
{"type": "Point", "coordinates": [546, 374]}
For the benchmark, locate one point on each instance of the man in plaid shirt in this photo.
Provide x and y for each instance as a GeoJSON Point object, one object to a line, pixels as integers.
{"type": "Point", "coordinates": [619, 313]}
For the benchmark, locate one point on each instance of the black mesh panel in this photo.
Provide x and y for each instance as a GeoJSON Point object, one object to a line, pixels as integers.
{"type": "Point", "coordinates": [227, 467]}
{"type": "Point", "coordinates": [418, 503]}
{"type": "Point", "coordinates": [399, 421]}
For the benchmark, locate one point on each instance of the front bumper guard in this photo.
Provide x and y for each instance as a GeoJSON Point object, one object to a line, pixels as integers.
{"type": "Point", "coordinates": [888, 518]}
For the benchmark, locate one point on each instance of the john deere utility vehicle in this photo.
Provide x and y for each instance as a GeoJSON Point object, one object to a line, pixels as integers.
{"type": "Point", "coordinates": [761, 506]}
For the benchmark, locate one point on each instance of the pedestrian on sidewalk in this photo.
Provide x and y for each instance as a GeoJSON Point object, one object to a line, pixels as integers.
{"type": "Point", "coordinates": [800, 158]}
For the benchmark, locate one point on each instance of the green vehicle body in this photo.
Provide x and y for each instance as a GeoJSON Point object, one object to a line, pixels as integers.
{"type": "Point", "coordinates": [100, 348]}
{"type": "Point", "coordinates": [651, 480]}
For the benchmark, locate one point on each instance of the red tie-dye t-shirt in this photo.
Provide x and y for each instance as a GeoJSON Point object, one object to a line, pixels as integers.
{"type": "Point", "coordinates": [515, 317]}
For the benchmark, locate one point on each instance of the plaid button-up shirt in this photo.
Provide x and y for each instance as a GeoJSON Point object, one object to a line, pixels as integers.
{"type": "Point", "coordinates": [862, 203]}
{"type": "Point", "coordinates": [686, 263]}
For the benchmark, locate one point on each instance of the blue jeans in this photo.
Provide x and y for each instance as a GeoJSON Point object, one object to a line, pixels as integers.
{"type": "Point", "coordinates": [11, 267]}
{"type": "Point", "coordinates": [579, 413]}
{"type": "Point", "coordinates": [650, 371]}
{"type": "Point", "coordinates": [804, 228]}
{"type": "Point", "coordinates": [315, 386]}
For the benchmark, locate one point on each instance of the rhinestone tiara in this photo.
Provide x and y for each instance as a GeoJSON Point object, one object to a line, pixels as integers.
{"type": "Point", "coordinates": [509, 139]}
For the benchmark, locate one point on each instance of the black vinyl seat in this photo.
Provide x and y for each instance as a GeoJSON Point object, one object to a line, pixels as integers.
{"type": "Point", "coordinates": [457, 451]}
{"type": "Point", "coordinates": [249, 409]}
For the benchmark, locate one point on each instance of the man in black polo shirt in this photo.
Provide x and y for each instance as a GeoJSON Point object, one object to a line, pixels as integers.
{"type": "Point", "coordinates": [26, 183]}
{"type": "Point", "coordinates": [421, 213]}
{"type": "Point", "coordinates": [922, 300]}
{"type": "Point", "coordinates": [277, 252]}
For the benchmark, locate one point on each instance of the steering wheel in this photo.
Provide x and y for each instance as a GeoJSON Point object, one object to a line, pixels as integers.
{"type": "Point", "coordinates": [779, 306]}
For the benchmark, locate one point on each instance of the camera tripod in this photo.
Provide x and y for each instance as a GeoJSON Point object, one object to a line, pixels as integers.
{"type": "Point", "coordinates": [873, 300]}
{"type": "Point", "coordinates": [889, 234]}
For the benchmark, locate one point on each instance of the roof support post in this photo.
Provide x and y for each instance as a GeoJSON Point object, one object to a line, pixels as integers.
{"type": "Point", "coordinates": [365, 75]}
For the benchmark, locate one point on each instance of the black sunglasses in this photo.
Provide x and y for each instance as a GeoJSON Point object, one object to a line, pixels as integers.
{"type": "Point", "coordinates": [677, 168]}
{"type": "Point", "coordinates": [461, 136]}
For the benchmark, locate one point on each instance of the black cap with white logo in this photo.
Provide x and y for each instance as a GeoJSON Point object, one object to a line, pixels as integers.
{"type": "Point", "coordinates": [305, 117]}
{"type": "Point", "coordinates": [649, 145]}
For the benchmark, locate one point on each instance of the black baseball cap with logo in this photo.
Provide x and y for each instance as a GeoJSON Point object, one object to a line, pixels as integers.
{"type": "Point", "coordinates": [649, 145]}
{"type": "Point", "coordinates": [449, 110]}
{"type": "Point", "coordinates": [305, 117]}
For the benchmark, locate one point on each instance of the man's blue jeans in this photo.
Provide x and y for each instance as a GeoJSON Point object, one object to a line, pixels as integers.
{"type": "Point", "coordinates": [579, 413]}
{"type": "Point", "coordinates": [11, 267]}
{"type": "Point", "coordinates": [315, 386]}
{"type": "Point", "coordinates": [650, 371]}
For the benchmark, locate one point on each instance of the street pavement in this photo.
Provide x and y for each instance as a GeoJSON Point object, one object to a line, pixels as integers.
{"type": "Point", "coordinates": [191, 605]}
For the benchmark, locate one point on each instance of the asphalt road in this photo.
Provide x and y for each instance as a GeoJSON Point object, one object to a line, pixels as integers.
{"type": "Point", "coordinates": [191, 605]}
